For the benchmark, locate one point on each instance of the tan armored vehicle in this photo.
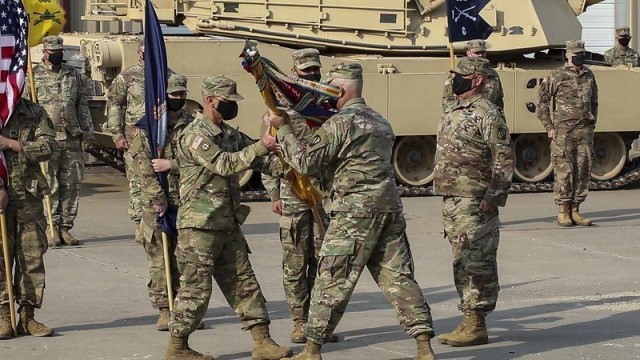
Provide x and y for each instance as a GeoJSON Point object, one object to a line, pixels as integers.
{"type": "Point", "coordinates": [402, 46]}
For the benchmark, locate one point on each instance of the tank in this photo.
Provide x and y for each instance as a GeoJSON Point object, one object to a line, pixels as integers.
{"type": "Point", "coordinates": [403, 48]}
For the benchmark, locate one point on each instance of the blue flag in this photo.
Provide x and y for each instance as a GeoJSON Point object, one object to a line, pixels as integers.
{"type": "Point", "coordinates": [155, 120]}
{"type": "Point", "coordinates": [465, 22]}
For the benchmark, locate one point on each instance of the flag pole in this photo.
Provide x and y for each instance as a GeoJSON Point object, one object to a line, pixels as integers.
{"type": "Point", "coordinates": [8, 271]}
{"type": "Point", "coordinates": [43, 165]}
{"type": "Point", "coordinates": [452, 56]}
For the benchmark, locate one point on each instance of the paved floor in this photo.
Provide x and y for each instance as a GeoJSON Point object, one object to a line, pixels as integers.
{"type": "Point", "coordinates": [566, 293]}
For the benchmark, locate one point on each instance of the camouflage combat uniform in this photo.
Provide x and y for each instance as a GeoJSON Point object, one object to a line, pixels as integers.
{"type": "Point", "coordinates": [61, 93]}
{"type": "Point", "coordinates": [299, 235]}
{"type": "Point", "coordinates": [492, 90]}
{"type": "Point", "coordinates": [622, 56]}
{"type": "Point", "coordinates": [152, 194]}
{"type": "Point", "coordinates": [126, 108]}
{"type": "Point", "coordinates": [573, 94]}
{"type": "Point", "coordinates": [474, 161]}
{"type": "Point", "coordinates": [210, 241]}
{"type": "Point", "coordinates": [367, 227]}
{"type": "Point", "coordinates": [30, 125]}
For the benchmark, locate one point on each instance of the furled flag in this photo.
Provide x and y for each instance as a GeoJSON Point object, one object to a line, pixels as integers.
{"type": "Point", "coordinates": [155, 119]}
{"type": "Point", "coordinates": [13, 43]}
{"type": "Point", "coordinates": [465, 22]}
{"type": "Point", "coordinates": [46, 17]}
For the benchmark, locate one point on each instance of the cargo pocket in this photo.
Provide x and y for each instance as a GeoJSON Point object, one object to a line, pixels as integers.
{"type": "Point", "coordinates": [335, 259]}
{"type": "Point", "coordinates": [286, 235]}
{"type": "Point", "coordinates": [242, 213]}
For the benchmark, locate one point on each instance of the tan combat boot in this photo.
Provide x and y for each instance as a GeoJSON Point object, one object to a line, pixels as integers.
{"type": "Point", "coordinates": [264, 348]}
{"type": "Point", "coordinates": [5, 322]}
{"type": "Point", "coordinates": [425, 352]}
{"type": "Point", "coordinates": [55, 240]}
{"type": "Point", "coordinates": [163, 320]}
{"type": "Point", "coordinates": [564, 215]}
{"type": "Point", "coordinates": [27, 325]}
{"type": "Point", "coordinates": [444, 337]}
{"type": "Point", "coordinates": [297, 335]}
{"type": "Point", "coordinates": [67, 238]}
{"type": "Point", "coordinates": [577, 218]}
{"type": "Point", "coordinates": [179, 349]}
{"type": "Point", "coordinates": [311, 352]}
{"type": "Point", "coordinates": [474, 332]}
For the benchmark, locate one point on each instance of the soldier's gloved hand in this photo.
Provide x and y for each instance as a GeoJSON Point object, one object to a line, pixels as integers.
{"type": "Point", "coordinates": [87, 144]}
{"type": "Point", "coordinates": [4, 200]}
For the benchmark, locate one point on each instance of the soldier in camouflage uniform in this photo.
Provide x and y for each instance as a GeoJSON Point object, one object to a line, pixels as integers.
{"type": "Point", "coordinates": [60, 91]}
{"type": "Point", "coordinates": [210, 241]}
{"type": "Point", "coordinates": [621, 53]}
{"type": "Point", "coordinates": [155, 202]}
{"type": "Point", "coordinates": [353, 150]}
{"type": "Point", "coordinates": [299, 234]}
{"type": "Point", "coordinates": [492, 87]}
{"type": "Point", "coordinates": [474, 167]}
{"type": "Point", "coordinates": [572, 92]}
{"type": "Point", "coordinates": [83, 67]}
{"type": "Point", "coordinates": [126, 108]}
{"type": "Point", "coordinates": [27, 139]}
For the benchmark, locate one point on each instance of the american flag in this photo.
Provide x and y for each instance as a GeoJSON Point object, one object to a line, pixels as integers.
{"type": "Point", "coordinates": [13, 50]}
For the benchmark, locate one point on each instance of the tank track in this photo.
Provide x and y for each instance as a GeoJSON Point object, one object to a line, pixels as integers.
{"type": "Point", "coordinates": [631, 175]}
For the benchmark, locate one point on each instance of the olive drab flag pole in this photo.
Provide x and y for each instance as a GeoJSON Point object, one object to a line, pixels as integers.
{"type": "Point", "coordinates": [465, 23]}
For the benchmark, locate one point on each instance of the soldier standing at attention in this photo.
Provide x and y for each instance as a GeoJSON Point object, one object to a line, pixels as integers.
{"type": "Point", "coordinates": [621, 53]}
{"type": "Point", "coordinates": [27, 139]}
{"type": "Point", "coordinates": [126, 108]}
{"type": "Point", "coordinates": [367, 229]}
{"type": "Point", "coordinates": [572, 92]}
{"type": "Point", "coordinates": [299, 234]}
{"type": "Point", "coordinates": [492, 87]}
{"type": "Point", "coordinates": [60, 91]}
{"type": "Point", "coordinates": [474, 167]}
{"type": "Point", "coordinates": [154, 200]}
{"type": "Point", "coordinates": [210, 241]}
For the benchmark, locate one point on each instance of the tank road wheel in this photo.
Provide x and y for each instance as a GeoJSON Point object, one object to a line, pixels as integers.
{"type": "Point", "coordinates": [414, 160]}
{"type": "Point", "coordinates": [244, 177]}
{"type": "Point", "coordinates": [533, 157]}
{"type": "Point", "coordinates": [609, 156]}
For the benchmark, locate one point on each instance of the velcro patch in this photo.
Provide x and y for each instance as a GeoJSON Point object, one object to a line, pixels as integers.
{"type": "Point", "coordinates": [196, 142]}
{"type": "Point", "coordinates": [502, 133]}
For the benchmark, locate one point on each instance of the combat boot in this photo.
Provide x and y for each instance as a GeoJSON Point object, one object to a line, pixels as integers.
{"type": "Point", "coordinates": [55, 240]}
{"type": "Point", "coordinates": [444, 337]}
{"type": "Point", "coordinates": [5, 322]}
{"type": "Point", "coordinates": [179, 349]}
{"type": "Point", "coordinates": [297, 335]}
{"type": "Point", "coordinates": [27, 325]}
{"type": "Point", "coordinates": [473, 333]}
{"type": "Point", "coordinates": [564, 215]}
{"type": "Point", "coordinates": [425, 352]}
{"type": "Point", "coordinates": [67, 238]}
{"type": "Point", "coordinates": [577, 218]}
{"type": "Point", "coordinates": [264, 348]}
{"type": "Point", "coordinates": [311, 352]}
{"type": "Point", "coordinates": [163, 320]}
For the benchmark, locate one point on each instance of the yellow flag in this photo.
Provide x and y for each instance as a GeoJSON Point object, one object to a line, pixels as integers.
{"type": "Point", "coordinates": [46, 17]}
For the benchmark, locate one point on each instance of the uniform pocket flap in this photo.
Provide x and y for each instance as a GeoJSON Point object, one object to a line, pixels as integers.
{"type": "Point", "coordinates": [335, 247]}
{"type": "Point", "coordinates": [286, 222]}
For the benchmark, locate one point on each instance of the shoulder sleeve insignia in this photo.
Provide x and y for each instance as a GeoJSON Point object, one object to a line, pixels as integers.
{"type": "Point", "coordinates": [502, 133]}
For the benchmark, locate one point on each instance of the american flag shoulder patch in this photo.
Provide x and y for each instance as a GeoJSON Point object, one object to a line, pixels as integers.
{"type": "Point", "coordinates": [196, 142]}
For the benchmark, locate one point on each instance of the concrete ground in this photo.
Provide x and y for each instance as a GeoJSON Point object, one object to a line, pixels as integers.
{"type": "Point", "coordinates": [566, 293]}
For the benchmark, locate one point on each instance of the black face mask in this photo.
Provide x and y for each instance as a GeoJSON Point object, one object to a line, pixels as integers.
{"type": "Point", "coordinates": [55, 58]}
{"type": "Point", "coordinates": [310, 77]}
{"type": "Point", "coordinates": [228, 109]}
{"type": "Point", "coordinates": [461, 85]}
{"type": "Point", "coordinates": [175, 104]}
{"type": "Point", "coordinates": [578, 60]}
{"type": "Point", "coordinates": [624, 41]}
{"type": "Point", "coordinates": [333, 102]}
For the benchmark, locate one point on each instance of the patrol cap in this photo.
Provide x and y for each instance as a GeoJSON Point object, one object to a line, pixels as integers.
{"type": "Point", "coordinates": [52, 42]}
{"type": "Point", "coordinates": [221, 86]}
{"type": "Point", "coordinates": [177, 83]}
{"type": "Point", "coordinates": [344, 70]}
{"type": "Point", "coordinates": [623, 31]}
{"type": "Point", "coordinates": [306, 58]}
{"type": "Point", "coordinates": [471, 65]}
{"type": "Point", "coordinates": [575, 46]}
{"type": "Point", "coordinates": [476, 46]}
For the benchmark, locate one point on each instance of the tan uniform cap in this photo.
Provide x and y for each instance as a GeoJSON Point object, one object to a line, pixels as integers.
{"type": "Point", "coordinates": [52, 42]}
{"type": "Point", "coordinates": [476, 46]}
{"type": "Point", "coordinates": [177, 83]}
{"type": "Point", "coordinates": [575, 46]}
{"type": "Point", "coordinates": [221, 86]}
{"type": "Point", "coordinates": [623, 31]}
{"type": "Point", "coordinates": [471, 65]}
{"type": "Point", "coordinates": [345, 70]}
{"type": "Point", "coordinates": [306, 58]}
